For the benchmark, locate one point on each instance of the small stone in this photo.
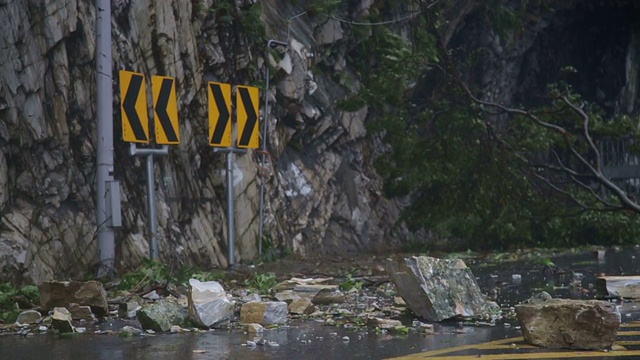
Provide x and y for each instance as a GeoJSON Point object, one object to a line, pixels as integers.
{"type": "Point", "coordinates": [175, 329]}
{"type": "Point", "coordinates": [81, 312]}
{"type": "Point", "coordinates": [61, 320]}
{"type": "Point", "coordinates": [254, 328]}
{"type": "Point", "coordinates": [383, 323]}
{"type": "Point", "coordinates": [301, 306]}
{"type": "Point", "coordinates": [427, 329]}
{"type": "Point", "coordinates": [131, 330]}
{"type": "Point", "coordinates": [516, 278]}
{"type": "Point", "coordinates": [42, 328]}
{"type": "Point", "coordinates": [251, 297]}
{"type": "Point", "coordinates": [128, 309]}
{"type": "Point", "coordinates": [345, 339]}
{"type": "Point", "coordinates": [153, 295]}
{"type": "Point", "coordinates": [29, 317]}
{"type": "Point", "coordinates": [251, 343]}
{"type": "Point", "coordinates": [287, 296]}
{"type": "Point", "coordinates": [265, 313]}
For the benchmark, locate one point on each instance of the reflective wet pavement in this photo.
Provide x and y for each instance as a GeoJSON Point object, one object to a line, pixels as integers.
{"type": "Point", "coordinates": [300, 341]}
{"type": "Point", "coordinates": [310, 340]}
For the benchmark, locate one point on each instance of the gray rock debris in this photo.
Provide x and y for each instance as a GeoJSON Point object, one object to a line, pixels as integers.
{"type": "Point", "coordinates": [161, 315]}
{"type": "Point", "coordinates": [29, 317]}
{"type": "Point", "coordinates": [265, 313]}
{"type": "Point", "coordinates": [438, 289]}
{"type": "Point", "coordinates": [208, 303]}
{"type": "Point", "coordinates": [61, 320]}
{"type": "Point", "coordinates": [570, 324]}
{"type": "Point", "coordinates": [64, 293]}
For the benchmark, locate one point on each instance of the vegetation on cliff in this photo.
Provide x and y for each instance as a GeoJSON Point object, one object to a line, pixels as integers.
{"type": "Point", "coordinates": [487, 174]}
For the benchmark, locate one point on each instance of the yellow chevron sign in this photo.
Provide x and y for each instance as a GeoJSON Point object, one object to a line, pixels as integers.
{"type": "Point", "coordinates": [133, 107]}
{"type": "Point", "coordinates": [165, 110]}
{"type": "Point", "coordinates": [247, 102]}
{"type": "Point", "coordinates": [219, 114]}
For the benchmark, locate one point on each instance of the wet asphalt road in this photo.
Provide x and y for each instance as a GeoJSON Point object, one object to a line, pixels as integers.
{"type": "Point", "coordinates": [309, 340]}
{"type": "Point", "coordinates": [300, 341]}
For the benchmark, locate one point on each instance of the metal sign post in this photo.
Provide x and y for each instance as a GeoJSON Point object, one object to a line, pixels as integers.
{"type": "Point", "coordinates": [151, 203]}
{"type": "Point", "coordinates": [231, 223]}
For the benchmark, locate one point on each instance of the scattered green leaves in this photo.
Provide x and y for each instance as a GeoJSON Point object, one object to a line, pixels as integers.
{"type": "Point", "coordinates": [351, 283]}
{"type": "Point", "coordinates": [262, 282]}
{"type": "Point", "coordinates": [11, 299]}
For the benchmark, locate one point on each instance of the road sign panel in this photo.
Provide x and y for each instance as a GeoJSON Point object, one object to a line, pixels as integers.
{"type": "Point", "coordinates": [165, 109]}
{"type": "Point", "coordinates": [133, 106]}
{"type": "Point", "coordinates": [247, 100]}
{"type": "Point", "coordinates": [219, 114]}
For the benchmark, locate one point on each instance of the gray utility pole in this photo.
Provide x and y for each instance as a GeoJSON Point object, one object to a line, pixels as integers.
{"type": "Point", "coordinates": [108, 190]}
{"type": "Point", "coordinates": [265, 121]}
{"type": "Point", "coordinates": [151, 198]}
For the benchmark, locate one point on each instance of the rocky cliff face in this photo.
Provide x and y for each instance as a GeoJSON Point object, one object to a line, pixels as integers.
{"type": "Point", "coordinates": [322, 196]}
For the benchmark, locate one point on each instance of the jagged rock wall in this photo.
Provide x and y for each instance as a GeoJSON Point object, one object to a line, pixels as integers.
{"type": "Point", "coordinates": [322, 196]}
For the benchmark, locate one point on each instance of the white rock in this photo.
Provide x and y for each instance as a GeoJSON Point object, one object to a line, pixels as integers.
{"type": "Point", "coordinates": [208, 303]}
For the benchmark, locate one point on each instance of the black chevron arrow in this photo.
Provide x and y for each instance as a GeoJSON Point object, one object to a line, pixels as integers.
{"type": "Point", "coordinates": [161, 110]}
{"type": "Point", "coordinates": [129, 107]}
{"type": "Point", "coordinates": [223, 118]}
{"type": "Point", "coordinates": [252, 117]}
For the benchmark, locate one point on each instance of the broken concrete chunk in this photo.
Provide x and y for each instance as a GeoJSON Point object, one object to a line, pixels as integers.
{"type": "Point", "coordinates": [627, 287]}
{"type": "Point", "coordinates": [63, 293]}
{"type": "Point", "coordinates": [438, 289]}
{"type": "Point", "coordinates": [161, 315]}
{"type": "Point", "coordinates": [265, 313]}
{"type": "Point", "coordinates": [208, 303]}
{"type": "Point", "coordinates": [570, 324]}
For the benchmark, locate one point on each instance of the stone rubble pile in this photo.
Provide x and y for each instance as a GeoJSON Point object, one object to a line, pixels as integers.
{"type": "Point", "coordinates": [432, 289]}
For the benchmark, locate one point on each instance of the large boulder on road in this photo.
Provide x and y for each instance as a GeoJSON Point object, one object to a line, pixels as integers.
{"type": "Point", "coordinates": [438, 289]}
{"type": "Point", "coordinates": [569, 324]}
